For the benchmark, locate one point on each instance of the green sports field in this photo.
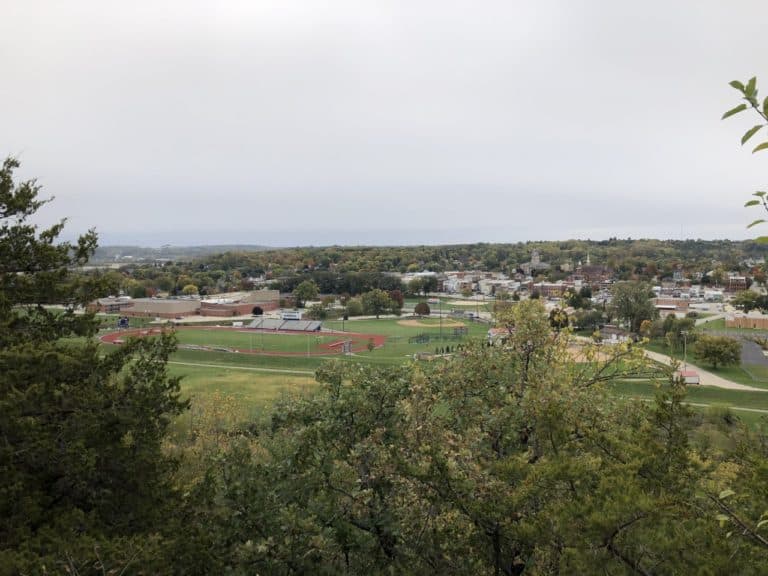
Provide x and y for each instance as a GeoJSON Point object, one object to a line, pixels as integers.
{"type": "Point", "coordinates": [280, 363]}
{"type": "Point", "coordinates": [396, 340]}
{"type": "Point", "coordinates": [256, 380]}
{"type": "Point", "coordinates": [256, 341]}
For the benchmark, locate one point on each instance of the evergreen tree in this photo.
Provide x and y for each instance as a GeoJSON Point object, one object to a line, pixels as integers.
{"type": "Point", "coordinates": [80, 455]}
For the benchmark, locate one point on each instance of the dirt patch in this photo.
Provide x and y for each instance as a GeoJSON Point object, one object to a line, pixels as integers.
{"type": "Point", "coordinates": [577, 353]}
{"type": "Point", "coordinates": [463, 303]}
{"type": "Point", "coordinates": [420, 324]}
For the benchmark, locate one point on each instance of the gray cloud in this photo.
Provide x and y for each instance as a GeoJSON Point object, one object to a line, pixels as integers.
{"type": "Point", "coordinates": [299, 122]}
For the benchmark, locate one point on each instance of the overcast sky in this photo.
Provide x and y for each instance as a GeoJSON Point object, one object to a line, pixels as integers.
{"type": "Point", "coordinates": [283, 122]}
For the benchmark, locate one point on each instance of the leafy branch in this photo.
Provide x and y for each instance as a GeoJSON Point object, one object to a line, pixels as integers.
{"type": "Point", "coordinates": [749, 95]}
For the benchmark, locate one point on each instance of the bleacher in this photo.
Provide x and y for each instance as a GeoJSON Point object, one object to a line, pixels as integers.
{"type": "Point", "coordinates": [292, 325]}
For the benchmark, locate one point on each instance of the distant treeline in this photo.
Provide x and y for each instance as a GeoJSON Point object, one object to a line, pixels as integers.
{"type": "Point", "coordinates": [354, 270]}
{"type": "Point", "coordinates": [352, 283]}
{"type": "Point", "coordinates": [625, 256]}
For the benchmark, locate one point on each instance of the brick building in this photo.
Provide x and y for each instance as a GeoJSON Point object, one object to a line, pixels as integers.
{"type": "Point", "coordinates": [226, 305]}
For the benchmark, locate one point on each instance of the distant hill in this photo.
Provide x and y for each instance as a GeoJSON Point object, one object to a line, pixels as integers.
{"type": "Point", "coordinates": [127, 253]}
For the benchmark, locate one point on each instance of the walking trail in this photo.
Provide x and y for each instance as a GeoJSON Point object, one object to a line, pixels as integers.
{"type": "Point", "coordinates": [705, 378]}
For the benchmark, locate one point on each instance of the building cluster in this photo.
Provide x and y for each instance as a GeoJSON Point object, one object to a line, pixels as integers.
{"type": "Point", "coordinates": [522, 280]}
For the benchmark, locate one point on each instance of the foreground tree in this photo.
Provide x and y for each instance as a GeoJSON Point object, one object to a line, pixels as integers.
{"type": "Point", "coordinates": [81, 431]}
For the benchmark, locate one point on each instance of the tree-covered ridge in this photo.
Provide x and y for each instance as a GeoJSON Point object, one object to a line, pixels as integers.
{"type": "Point", "coordinates": [629, 257]}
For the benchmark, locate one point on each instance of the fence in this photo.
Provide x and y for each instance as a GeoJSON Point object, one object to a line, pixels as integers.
{"type": "Point", "coordinates": [458, 333]}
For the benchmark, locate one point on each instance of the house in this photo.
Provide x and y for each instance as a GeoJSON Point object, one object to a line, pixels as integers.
{"type": "Point", "coordinates": [614, 334]}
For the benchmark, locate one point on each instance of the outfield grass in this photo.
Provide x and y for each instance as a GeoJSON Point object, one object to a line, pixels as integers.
{"type": "Point", "coordinates": [295, 363]}
{"type": "Point", "coordinates": [257, 380]}
{"type": "Point", "coordinates": [397, 349]}
{"type": "Point", "coordinates": [264, 341]}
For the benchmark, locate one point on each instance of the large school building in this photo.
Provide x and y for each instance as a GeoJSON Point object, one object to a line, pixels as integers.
{"type": "Point", "coordinates": [223, 305]}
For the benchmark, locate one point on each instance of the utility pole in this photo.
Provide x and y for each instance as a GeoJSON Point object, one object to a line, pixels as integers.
{"type": "Point", "coordinates": [440, 306]}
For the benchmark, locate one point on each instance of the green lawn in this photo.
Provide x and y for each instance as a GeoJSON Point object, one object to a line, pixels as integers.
{"type": "Point", "coordinates": [248, 376]}
{"type": "Point", "coordinates": [719, 326]}
{"type": "Point", "coordinates": [700, 397]}
{"type": "Point", "coordinates": [253, 390]}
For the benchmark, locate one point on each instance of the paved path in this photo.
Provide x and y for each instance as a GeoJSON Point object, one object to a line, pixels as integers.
{"type": "Point", "coordinates": [252, 369]}
{"type": "Point", "coordinates": [700, 321]}
{"type": "Point", "coordinates": [706, 378]}
{"type": "Point", "coordinates": [702, 405]}
{"type": "Point", "coordinates": [751, 353]}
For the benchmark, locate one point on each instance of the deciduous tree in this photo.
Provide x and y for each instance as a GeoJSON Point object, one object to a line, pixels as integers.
{"type": "Point", "coordinates": [631, 302]}
{"type": "Point", "coordinates": [718, 350]}
{"type": "Point", "coordinates": [307, 290]}
{"type": "Point", "coordinates": [376, 302]}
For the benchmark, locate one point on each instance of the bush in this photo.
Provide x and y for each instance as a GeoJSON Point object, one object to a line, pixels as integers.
{"type": "Point", "coordinates": [355, 307]}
